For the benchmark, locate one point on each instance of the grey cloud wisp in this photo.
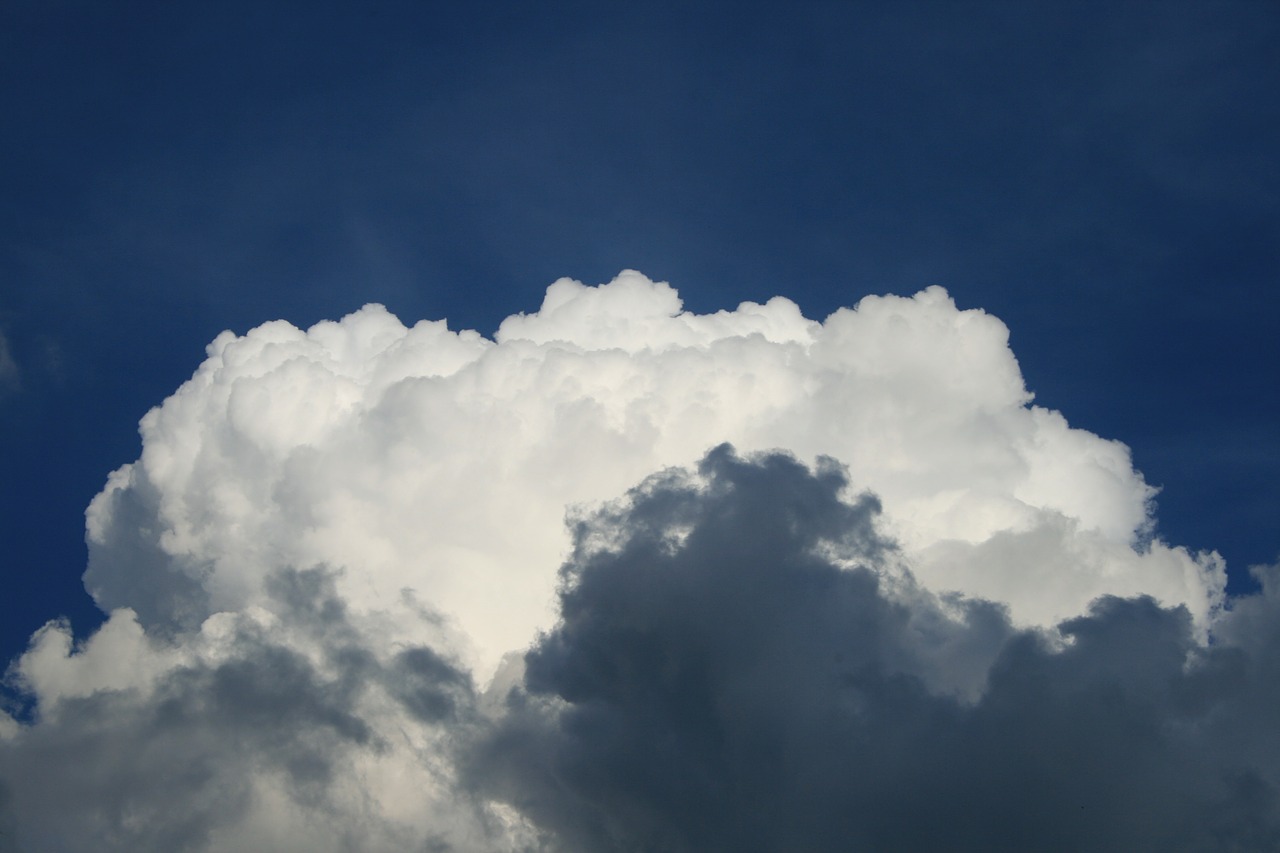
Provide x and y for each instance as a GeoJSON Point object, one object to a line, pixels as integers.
{"type": "Point", "coordinates": [896, 605]}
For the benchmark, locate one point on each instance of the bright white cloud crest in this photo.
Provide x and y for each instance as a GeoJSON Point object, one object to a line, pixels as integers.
{"type": "Point", "coordinates": [430, 472]}
{"type": "Point", "coordinates": [443, 463]}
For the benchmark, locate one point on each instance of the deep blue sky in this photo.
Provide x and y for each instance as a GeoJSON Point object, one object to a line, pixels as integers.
{"type": "Point", "coordinates": [1103, 177]}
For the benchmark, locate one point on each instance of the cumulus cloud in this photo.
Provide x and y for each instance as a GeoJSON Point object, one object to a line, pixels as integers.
{"type": "Point", "coordinates": [327, 566]}
{"type": "Point", "coordinates": [443, 462]}
{"type": "Point", "coordinates": [293, 728]}
{"type": "Point", "coordinates": [760, 686]}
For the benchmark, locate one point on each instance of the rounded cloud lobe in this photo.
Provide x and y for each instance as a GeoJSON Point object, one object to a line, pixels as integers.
{"type": "Point", "coordinates": [336, 538]}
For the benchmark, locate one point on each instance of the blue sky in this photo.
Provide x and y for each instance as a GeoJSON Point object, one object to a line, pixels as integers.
{"type": "Point", "coordinates": [1102, 177]}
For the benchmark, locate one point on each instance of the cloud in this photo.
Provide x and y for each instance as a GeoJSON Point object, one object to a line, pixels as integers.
{"type": "Point", "coordinates": [284, 729]}
{"type": "Point", "coordinates": [759, 686]}
{"type": "Point", "coordinates": [443, 462]}
{"type": "Point", "coordinates": [327, 566]}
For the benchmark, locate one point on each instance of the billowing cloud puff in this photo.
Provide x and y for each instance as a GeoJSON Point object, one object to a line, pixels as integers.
{"type": "Point", "coordinates": [326, 568]}
{"type": "Point", "coordinates": [731, 672]}
{"type": "Point", "coordinates": [439, 462]}
{"type": "Point", "coordinates": [295, 728]}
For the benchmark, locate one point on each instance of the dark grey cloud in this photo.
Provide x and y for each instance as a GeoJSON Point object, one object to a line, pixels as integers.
{"type": "Point", "coordinates": [740, 666]}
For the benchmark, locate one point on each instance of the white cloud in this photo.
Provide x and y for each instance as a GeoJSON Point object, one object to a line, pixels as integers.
{"type": "Point", "coordinates": [425, 476]}
{"type": "Point", "coordinates": [420, 458]}
{"type": "Point", "coordinates": [117, 657]}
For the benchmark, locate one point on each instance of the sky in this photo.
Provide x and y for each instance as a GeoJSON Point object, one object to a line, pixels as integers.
{"type": "Point", "coordinates": [872, 385]}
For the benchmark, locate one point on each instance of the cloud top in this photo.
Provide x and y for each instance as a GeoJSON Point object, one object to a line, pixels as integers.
{"type": "Point", "coordinates": [435, 461]}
